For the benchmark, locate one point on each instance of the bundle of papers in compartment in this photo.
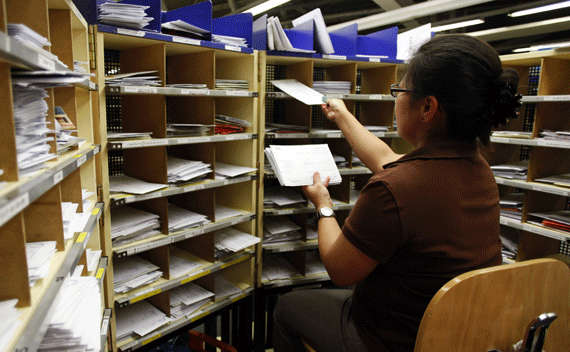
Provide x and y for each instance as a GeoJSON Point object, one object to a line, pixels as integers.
{"type": "Point", "coordinates": [184, 29]}
{"type": "Point", "coordinates": [38, 257]}
{"type": "Point", "coordinates": [129, 224]}
{"type": "Point", "coordinates": [511, 206]}
{"type": "Point", "coordinates": [277, 267]}
{"type": "Point", "coordinates": [10, 321]}
{"type": "Point", "coordinates": [127, 184]}
{"type": "Point", "coordinates": [188, 298]}
{"type": "Point", "coordinates": [229, 240]}
{"type": "Point", "coordinates": [512, 134]}
{"type": "Point", "coordinates": [138, 319]}
{"type": "Point", "coordinates": [281, 197]}
{"type": "Point", "coordinates": [231, 84]}
{"type": "Point", "coordinates": [180, 219]}
{"type": "Point", "coordinates": [224, 171]}
{"type": "Point", "coordinates": [141, 78]}
{"type": "Point", "coordinates": [181, 170]}
{"type": "Point", "coordinates": [295, 165]}
{"type": "Point", "coordinates": [556, 180]}
{"type": "Point", "coordinates": [284, 128]}
{"type": "Point", "coordinates": [517, 170]}
{"type": "Point", "coordinates": [123, 15]}
{"type": "Point", "coordinates": [229, 40]}
{"type": "Point", "coordinates": [32, 40]}
{"type": "Point", "coordinates": [332, 87]}
{"type": "Point", "coordinates": [555, 135]}
{"type": "Point", "coordinates": [132, 272]}
{"type": "Point", "coordinates": [227, 124]}
{"type": "Point", "coordinates": [280, 229]}
{"type": "Point", "coordinates": [559, 220]}
{"type": "Point", "coordinates": [188, 129]}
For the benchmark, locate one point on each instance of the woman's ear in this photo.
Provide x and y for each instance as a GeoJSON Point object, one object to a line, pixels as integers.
{"type": "Point", "coordinates": [430, 108]}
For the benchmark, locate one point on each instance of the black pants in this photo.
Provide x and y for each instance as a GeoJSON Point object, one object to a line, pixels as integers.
{"type": "Point", "coordinates": [321, 317]}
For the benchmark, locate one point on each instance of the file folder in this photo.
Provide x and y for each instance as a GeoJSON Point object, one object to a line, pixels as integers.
{"type": "Point", "coordinates": [381, 43]}
{"type": "Point", "coordinates": [344, 40]}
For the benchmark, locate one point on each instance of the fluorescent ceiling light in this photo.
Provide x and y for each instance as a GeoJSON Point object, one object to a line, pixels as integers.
{"type": "Point", "coordinates": [522, 30]}
{"type": "Point", "coordinates": [263, 7]}
{"type": "Point", "coordinates": [542, 47]}
{"type": "Point", "coordinates": [456, 25]}
{"type": "Point", "coordinates": [550, 7]}
{"type": "Point", "coordinates": [406, 13]}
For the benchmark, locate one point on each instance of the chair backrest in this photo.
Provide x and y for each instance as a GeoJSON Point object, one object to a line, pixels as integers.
{"type": "Point", "coordinates": [491, 308]}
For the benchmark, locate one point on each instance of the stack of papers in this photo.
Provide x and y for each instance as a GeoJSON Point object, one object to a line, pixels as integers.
{"type": "Point", "coordinates": [77, 318]}
{"type": "Point", "coordinates": [230, 240]}
{"type": "Point", "coordinates": [299, 91]}
{"type": "Point", "coordinates": [280, 229]}
{"type": "Point", "coordinates": [9, 323]}
{"type": "Point", "coordinates": [557, 136]}
{"type": "Point", "coordinates": [559, 180]}
{"type": "Point", "coordinates": [130, 224]}
{"type": "Point", "coordinates": [509, 249]}
{"type": "Point", "coordinates": [224, 170]}
{"type": "Point", "coordinates": [123, 15]}
{"type": "Point", "coordinates": [93, 258]}
{"type": "Point", "coordinates": [284, 128]}
{"type": "Point", "coordinates": [224, 288]}
{"type": "Point", "coordinates": [141, 78]}
{"type": "Point", "coordinates": [277, 39]}
{"type": "Point", "coordinates": [277, 267]}
{"type": "Point", "coordinates": [139, 319]}
{"type": "Point", "coordinates": [332, 87]}
{"type": "Point", "coordinates": [30, 111]}
{"type": "Point", "coordinates": [281, 197]}
{"type": "Point", "coordinates": [23, 34]}
{"type": "Point", "coordinates": [559, 220]}
{"type": "Point", "coordinates": [377, 128]}
{"type": "Point", "coordinates": [131, 185]}
{"type": "Point", "coordinates": [232, 121]}
{"type": "Point", "coordinates": [232, 84]}
{"type": "Point", "coordinates": [186, 299]}
{"type": "Point", "coordinates": [182, 219]}
{"type": "Point", "coordinates": [188, 85]}
{"type": "Point", "coordinates": [181, 262]}
{"type": "Point", "coordinates": [38, 256]}
{"type": "Point", "coordinates": [79, 66]}
{"type": "Point", "coordinates": [229, 40]}
{"type": "Point", "coordinates": [48, 79]}
{"type": "Point", "coordinates": [354, 194]}
{"type": "Point", "coordinates": [312, 229]}
{"type": "Point", "coordinates": [512, 134]}
{"type": "Point", "coordinates": [188, 129]}
{"type": "Point", "coordinates": [184, 29]}
{"type": "Point", "coordinates": [294, 165]}
{"type": "Point", "coordinates": [517, 170]}
{"type": "Point", "coordinates": [340, 160]}
{"type": "Point", "coordinates": [511, 206]}
{"type": "Point", "coordinates": [182, 170]}
{"type": "Point", "coordinates": [113, 136]}
{"type": "Point", "coordinates": [132, 272]}
{"type": "Point", "coordinates": [224, 213]}
{"type": "Point", "coordinates": [314, 264]}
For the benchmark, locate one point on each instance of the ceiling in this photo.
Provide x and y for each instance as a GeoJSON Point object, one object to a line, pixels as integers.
{"type": "Point", "coordinates": [516, 32]}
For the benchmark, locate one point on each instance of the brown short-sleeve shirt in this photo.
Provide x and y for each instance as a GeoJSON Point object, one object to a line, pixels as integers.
{"type": "Point", "coordinates": [427, 217]}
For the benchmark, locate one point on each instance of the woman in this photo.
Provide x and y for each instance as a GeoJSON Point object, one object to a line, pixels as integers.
{"type": "Point", "coordinates": [422, 219]}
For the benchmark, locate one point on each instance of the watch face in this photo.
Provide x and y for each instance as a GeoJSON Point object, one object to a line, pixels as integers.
{"type": "Point", "coordinates": [326, 211]}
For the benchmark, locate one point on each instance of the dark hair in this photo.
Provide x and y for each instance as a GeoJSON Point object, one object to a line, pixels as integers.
{"type": "Point", "coordinates": [466, 77]}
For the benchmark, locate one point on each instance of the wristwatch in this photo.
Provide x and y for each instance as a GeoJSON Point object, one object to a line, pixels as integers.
{"type": "Point", "coordinates": [325, 212]}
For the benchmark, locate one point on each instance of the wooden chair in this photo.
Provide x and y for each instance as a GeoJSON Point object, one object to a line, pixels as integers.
{"type": "Point", "coordinates": [491, 309]}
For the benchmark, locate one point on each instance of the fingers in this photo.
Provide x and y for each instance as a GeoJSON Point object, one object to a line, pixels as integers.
{"type": "Point", "coordinates": [327, 180]}
{"type": "Point", "coordinates": [316, 178]}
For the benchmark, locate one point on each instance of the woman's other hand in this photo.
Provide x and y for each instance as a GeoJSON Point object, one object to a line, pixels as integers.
{"type": "Point", "coordinates": [334, 109]}
{"type": "Point", "coordinates": [318, 193]}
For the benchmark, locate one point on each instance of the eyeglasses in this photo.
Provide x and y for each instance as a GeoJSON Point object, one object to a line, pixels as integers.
{"type": "Point", "coordinates": [395, 90]}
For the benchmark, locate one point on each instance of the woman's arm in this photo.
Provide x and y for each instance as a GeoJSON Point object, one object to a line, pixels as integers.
{"type": "Point", "coordinates": [345, 264]}
{"type": "Point", "coordinates": [371, 150]}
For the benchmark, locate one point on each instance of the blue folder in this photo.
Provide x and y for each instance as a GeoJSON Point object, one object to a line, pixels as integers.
{"type": "Point", "coordinates": [239, 25]}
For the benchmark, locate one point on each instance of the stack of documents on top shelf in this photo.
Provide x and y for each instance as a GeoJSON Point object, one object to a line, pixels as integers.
{"type": "Point", "coordinates": [138, 319]}
{"type": "Point", "coordinates": [123, 15]}
{"type": "Point", "coordinates": [188, 129]}
{"type": "Point", "coordinates": [277, 196]}
{"type": "Point", "coordinates": [188, 298]}
{"type": "Point", "coordinates": [516, 170]}
{"type": "Point", "coordinates": [141, 78]}
{"type": "Point", "coordinates": [182, 170]}
{"type": "Point", "coordinates": [130, 224]}
{"type": "Point", "coordinates": [181, 263]}
{"type": "Point", "coordinates": [30, 111]}
{"type": "Point", "coordinates": [284, 128]}
{"type": "Point", "coordinates": [182, 219]}
{"type": "Point", "coordinates": [32, 40]}
{"type": "Point", "coordinates": [280, 229]}
{"type": "Point", "coordinates": [512, 134]}
{"type": "Point", "coordinates": [229, 40]}
{"type": "Point", "coordinates": [559, 220]}
{"type": "Point", "coordinates": [313, 264]}
{"type": "Point", "coordinates": [556, 136]}
{"type": "Point", "coordinates": [48, 79]}
{"type": "Point", "coordinates": [128, 184]}
{"type": "Point", "coordinates": [9, 323]}
{"type": "Point", "coordinates": [132, 272]}
{"type": "Point", "coordinates": [224, 171]}
{"type": "Point", "coordinates": [224, 288]}
{"type": "Point", "coordinates": [77, 319]}
{"type": "Point", "coordinates": [230, 240]}
{"type": "Point", "coordinates": [511, 206]}
{"type": "Point", "coordinates": [184, 29]}
{"type": "Point", "coordinates": [332, 87]}
{"type": "Point", "coordinates": [295, 165]}
{"type": "Point", "coordinates": [277, 39]}
{"type": "Point", "coordinates": [231, 84]}
{"type": "Point", "coordinates": [188, 85]}
{"type": "Point", "coordinates": [114, 136]}
{"type": "Point", "coordinates": [277, 267]}
{"type": "Point", "coordinates": [38, 256]}
{"type": "Point", "coordinates": [558, 180]}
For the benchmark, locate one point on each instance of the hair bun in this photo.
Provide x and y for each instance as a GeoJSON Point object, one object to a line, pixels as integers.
{"type": "Point", "coordinates": [506, 106]}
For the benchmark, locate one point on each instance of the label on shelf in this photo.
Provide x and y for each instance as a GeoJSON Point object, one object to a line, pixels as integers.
{"type": "Point", "coordinates": [155, 142]}
{"type": "Point", "coordinates": [46, 63]}
{"type": "Point", "coordinates": [194, 187]}
{"type": "Point", "coordinates": [556, 97]}
{"type": "Point", "coordinates": [235, 299]}
{"type": "Point", "coordinates": [146, 295]}
{"type": "Point", "coordinates": [375, 97]}
{"type": "Point", "coordinates": [334, 135]}
{"type": "Point", "coordinates": [374, 59]}
{"type": "Point", "coordinates": [150, 195]}
{"type": "Point", "coordinates": [7, 45]}
{"type": "Point", "coordinates": [334, 57]}
{"type": "Point", "coordinates": [335, 96]}
{"type": "Point", "coordinates": [100, 273]}
{"type": "Point", "coordinates": [237, 93]}
{"type": "Point", "coordinates": [57, 177]}
{"type": "Point", "coordinates": [195, 91]}
{"type": "Point", "coordinates": [503, 221]}
{"type": "Point", "coordinates": [81, 159]}
{"type": "Point", "coordinates": [233, 48]}
{"type": "Point", "coordinates": [14, 207]}
{"type": "Point", "coordinates": [81, 237]}
{"type": "Point", "coordinates": [194, 233]}
{"type": "Point", "coordinates": [501, 140]}
{"type": "Point", "coordinates": [95, 211]}
{"type": "Point", "coordinates": [150, 90]}
{"type": "Point", "coordinates": [200, 316]}
{"type": "Point", "coordinates": [235, 261]}
{"type": "Point", "coordinates": [130, 32]}
{"type": "Point", "coordinates": [147, 341]}
{"type": "Point", "coordinates": [196, 276]}
{"type": "Point", "coordinates": [552, 190]}
{"type": "Point", "coordinates": [237, 136]}
{"type": "Point", "coordinates": [184, 40]}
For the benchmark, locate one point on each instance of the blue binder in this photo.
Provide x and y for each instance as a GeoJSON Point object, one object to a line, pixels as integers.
{"type": "Point", "coordinates": [259, 34]}
{"type": "Point", "coordinates": [88, 9]}
{"type": "Point", "coordinates": [238, 25]}
{"type": "Point", "coordinates": [344, 40]}
{"type": "Point", "coordinates": [301, 36]}
{"type": "Point", "coordinates": [381, 43]}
